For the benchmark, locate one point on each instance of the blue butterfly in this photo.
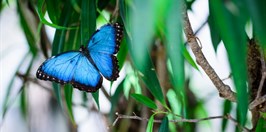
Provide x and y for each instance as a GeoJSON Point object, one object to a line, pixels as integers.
{"type": "Point", "coordinates": [84, 68]}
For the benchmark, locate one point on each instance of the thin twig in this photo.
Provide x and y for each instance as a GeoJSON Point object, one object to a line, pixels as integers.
{"type": "Point", "coordinates": [224, 90]}
{"type": "Point", "coordinates": [106, 94]}
{"type": "Point", "coordinates": [135, 117]}
{"type": "Point", "coordinates": [115, 12]}
{"type": "Point", "coordinates": [202, 25]}
{"type": "Point", "coordinates": [229, 76]}
{"type": "Point", "coordinates": [261, 85]}
{"type": "Point", "coordinates": [263, 70]}
{"type": "Point", "coordinates": [257, 102]}
{"type": "Point", "coordinates": [242, 128]}
{"type": "Point", "coordinates": [26, 78]}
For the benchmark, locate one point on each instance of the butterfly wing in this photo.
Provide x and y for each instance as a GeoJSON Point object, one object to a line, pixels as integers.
{"type": "Point", "coordinates": [71, 67]}
{"type": "Point", "coordinates": [102, 47]}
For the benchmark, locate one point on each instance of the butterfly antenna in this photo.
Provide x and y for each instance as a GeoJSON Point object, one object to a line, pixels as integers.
{"type": "Point", "coordinates": [115, 12]}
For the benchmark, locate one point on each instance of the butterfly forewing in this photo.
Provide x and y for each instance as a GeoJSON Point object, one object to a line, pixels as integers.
{"type": "Point", "coordinates": [102, 47]}
{"type": "Point", "coordinates": [59, 68]}
{"type": "Point", "coordinates": [71, 67]}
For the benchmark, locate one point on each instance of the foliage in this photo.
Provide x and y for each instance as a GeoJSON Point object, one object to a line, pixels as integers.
{"type": "Point", "coordinates": [161, 75]}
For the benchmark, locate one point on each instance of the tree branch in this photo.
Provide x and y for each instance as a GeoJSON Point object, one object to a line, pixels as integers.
{"type": "Point", "coordinates": [135, 117]}
{"type": "Point", "coordinates": [26, 79]}
{"type": "Point", "coordinates": [257, 102]}
{"type": "Point", "coordinates": [259, 98]}
{"type": "Point", "coordinates": [263, 70]}
{"type": "Point", "coordinates": [224, 90]}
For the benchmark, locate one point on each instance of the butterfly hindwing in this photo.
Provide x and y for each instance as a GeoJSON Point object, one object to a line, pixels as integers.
{"type": "Point", "coordinates": [102, 46]}
{"type": "Point", "coordinates": [87, 77]}
{"type": "Point", "coordinates": [107, 64]}
{"type": "Point", "coordinates": [71, 67]}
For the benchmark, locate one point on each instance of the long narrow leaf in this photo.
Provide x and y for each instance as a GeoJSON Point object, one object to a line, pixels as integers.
{"type": "Point", "coordinates": [23, 99]}
{"type": "Point", "coordinates": [256, 9]}
{"type": "Point", "coordinates": [188, 57]}
{"type": "Point", "coordinates": [122, 54]}
{"type": "Point", "coordinates": [6, 101]}
{"type": "Point", "coordinates": [96, 98]}
{"type": "Point", "coordinates": [53, 9]}
{"type": "Point", "coordinates": [139, 45]}
{"type": "Point", "coordinates": [227, 109]}
{"type": "Point", "coordinates": [215, 35]}
{"type": "Point", "coordinates": [44, 21]}
{"type": "Point", "coordinates": [232, 29]}
{"type": "Point", "coordinates": [164, 127]}
{"type": "Point", "coordinates": [28, 27]}
{"type": "Point", "coordinates": [88, 20]}
{"type": "Point", "coordinates": [23, 102]}
{"type": "Point", "coordinates": [115, 99]}
{"type": "Point", "coordinates": [144, 100]}
{"type": "Point", "coordinates": [68, 96]}
{"type": "Point", "coordinates": [59, 41]}
{"type": "Point", "coordinates": [174, 49]}
{"type": "Point", "coordinates": [261, 125]}
{"type": "Point", "coordinates": [150, 124]}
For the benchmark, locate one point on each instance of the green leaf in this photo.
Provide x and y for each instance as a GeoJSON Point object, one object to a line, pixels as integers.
{"type": "Point", "coordinates": [139, 42]}
{"type": "Point", "coordinates": [261, 125]}
{"type": "Point", "coordinates": [150, 124]}
{"type": "Point", "coordinates": [68, 96]}
{"type": "Point", "coordinates": [122, 54]}
{"type": "Point", "coordinates": [164, 127]}
{"type": "Point", "coordinates": [40, 4]}
{"type": "Point", "coordinates": [60, 34]}
{"type": "Point", "coordinates": [256, 9]}
{"type": "Point", "coordinates": [231, 26]}
{"type": "Point", "coordinates": [2, 5]}
{"type": "Point", "coordinates": [189, 4]}
{"type": "Point", "coordinates": [144, 100]}
{"type": "Point", "coordinates": [58, 43]}
{"type": "Point", "coordinates": [188, 57]}
{"type": "Point", "coordinates": [84, 98]}
{"type": "Point", "coordinates": [54, 8]}
{"type": "Point", "coordinates": [6, 102]}
{"type": "Point", "coordinates": [131, 82]}
{"type": "Point", "coordinates": [115, 98]}
{"type": "Point", "coordinates": [175, 104]}
{"type": "Point", "coordinates": [23, 102]}
{"type": "Point", "coordinates": [226, 110]}
{"type": "Point", "coordinates": [88, 20]}
{"type": "Point", "coordinates": [124, 12]}
{"type": "Point", "coordinates": [27, 26]}
{"type": "Point", "coordinates": [75, 5]}
{"type": "Point", "coordinates": [57, 93]}
{"type": "Point", "coordinates": [174, 45]}
{"type": "Point", "coordinates": [215, 35]}
{"type": "Point", "coordinates": [95, 96]}
{"type": "Point", "coordinates": [23, 91]}
{"type": "Point", "coordinates": [73, 41]}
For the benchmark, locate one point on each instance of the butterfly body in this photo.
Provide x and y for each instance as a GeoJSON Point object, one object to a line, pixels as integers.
{"type": "Point", "coordinates": [84, 68]}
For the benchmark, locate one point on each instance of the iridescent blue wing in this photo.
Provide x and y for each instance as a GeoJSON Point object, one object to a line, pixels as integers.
{"type": "Point", "coordinates": [102, 46]}
{"type": "Point", "coordinates": [71, 67]}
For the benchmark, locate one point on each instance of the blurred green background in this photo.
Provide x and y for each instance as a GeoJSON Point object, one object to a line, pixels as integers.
{"type": "Point", "coordinates": [159, 78]}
